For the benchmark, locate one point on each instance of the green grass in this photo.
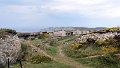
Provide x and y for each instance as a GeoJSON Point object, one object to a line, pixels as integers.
{"type": "Point", "coordinates": [52, 51]}
{"type": "Point", "coordinates": [51, 64]}
{"type": "Point", "coordinates": [82, 52]}
{"type": "Point", "coordinates": [108, 61]}
{"type": "Point", "coordinates": [36, 41]}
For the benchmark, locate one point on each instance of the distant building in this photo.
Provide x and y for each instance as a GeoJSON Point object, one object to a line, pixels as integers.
{"type": "Point", "coordinates": [28, 35]}
{"type": "Point", "coordinates": [59, 33]}
{"type": "Point", "coordinates": [77, 32]}
{"type": "Point", "coordinates": [51, 34]}
{"type": "Point", "coordinates": [69, 33]}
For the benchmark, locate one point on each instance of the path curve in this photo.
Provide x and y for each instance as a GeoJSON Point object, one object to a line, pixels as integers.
{"type": "Point", "coordinates": [62, 58]}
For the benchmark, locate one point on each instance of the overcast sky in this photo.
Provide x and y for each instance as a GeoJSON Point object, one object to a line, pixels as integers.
{"type": "Point", "coordinates": [32, 15]}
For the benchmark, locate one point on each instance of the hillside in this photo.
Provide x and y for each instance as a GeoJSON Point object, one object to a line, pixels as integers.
{"type": "Point", "coordinates": [72, 28]}
{"type": "Point", "coordinates": [100, 49]}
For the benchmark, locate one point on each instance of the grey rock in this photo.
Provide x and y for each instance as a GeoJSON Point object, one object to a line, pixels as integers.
{"type": "Point", "coordinates": [10, 48]}
{"type": "Point", "coordinates": [96, 37]}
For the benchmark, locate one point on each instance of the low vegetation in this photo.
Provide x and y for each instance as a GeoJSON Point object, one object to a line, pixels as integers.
{"type": "Point", "coordinates": [52, 50]}
{"type": "Point", "coordinates": [24, 51]}
{"type": "Point", "coordinates": [6, 32]}
{"type": "Point", "coordinates": [114, 29]}
{"type": "Point", "coordinates": [54, 42]}
{"type": "Point", "coordinates": [40, 59]}
{"type": "Point", "coordinates": [107, 61]}
{"type": "Point", "coordinates": [98, 54]}
{"type": "Point", "coordinates": [52, 64]}
{"type": "Point", "coordinates": [32, 58]}
{"type": "Point", "coordinates": [103, 52]}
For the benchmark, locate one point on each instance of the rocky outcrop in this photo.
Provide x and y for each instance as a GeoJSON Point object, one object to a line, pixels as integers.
{"type": "Point", "coordinates": [96, 37]}
{"type": "Point", "coordinates": [10, 47]}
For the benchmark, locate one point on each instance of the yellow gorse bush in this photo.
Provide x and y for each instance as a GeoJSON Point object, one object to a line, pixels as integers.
{"type": "Point", "coordinates": [109, 49]}
{"type": "Point", "coordinates": [75, 45]}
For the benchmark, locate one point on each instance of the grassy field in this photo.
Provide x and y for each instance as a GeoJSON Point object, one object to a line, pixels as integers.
{"type": "Point", "coordinates": [52, 51]}
{"type": "Point", "coordinates": [108, 61]}
{"type": "Point", "coordinates": [51, 64]}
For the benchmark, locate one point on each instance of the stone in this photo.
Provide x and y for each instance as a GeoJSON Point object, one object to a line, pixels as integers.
{"type": "Point", "coordinates": [10, 47]}
{"type": "Point", "coordinates": [96, 37]}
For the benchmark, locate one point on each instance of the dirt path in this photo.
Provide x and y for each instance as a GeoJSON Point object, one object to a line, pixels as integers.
{"type": "Point", "coordinates": [89, 57]}
{"type": "Point", "coordinates": [62, 58]}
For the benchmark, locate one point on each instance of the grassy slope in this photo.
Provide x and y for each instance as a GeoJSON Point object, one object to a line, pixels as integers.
{"type": "Point", "coordinates": [51, 50]}
{"type": "Point", "coordinates": [107, 61]}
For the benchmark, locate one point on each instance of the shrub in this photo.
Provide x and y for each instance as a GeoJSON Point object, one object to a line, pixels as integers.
{"type": "Point", "coordinates": [109, 49]}
{"type": "Point", "coordinates": [5, 32]}
{"type": "Point", "coordinates": [24, 51]}
{"type": "Point", "coordinates": [109, 61]}
{"type": "Point", "coordinates": [75, 45]}
{"type": "Point", "coordinates": [54, 42]}
{"type": "Point", "coordinates": [113, 29]}
{"type": "Point", "coordinates": [117, 38]}
{"type": "Point", "coordinates": [110, 41]}
{"type": "Point", "coordinates": [9, 31]}
{"type": "Point", "coordinates": [40, 58]}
